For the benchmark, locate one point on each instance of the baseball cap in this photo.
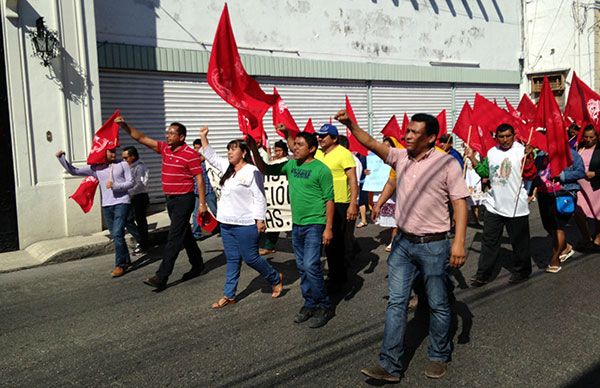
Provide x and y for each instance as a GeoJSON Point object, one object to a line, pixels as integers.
{"type": "Point", "coordinates": [328, 129]}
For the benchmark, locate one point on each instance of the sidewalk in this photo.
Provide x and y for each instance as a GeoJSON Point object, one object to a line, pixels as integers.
{"type": "Point", "coordinates": [73, 248]}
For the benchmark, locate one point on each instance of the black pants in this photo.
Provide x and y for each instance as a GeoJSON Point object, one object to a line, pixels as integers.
{"type": "Point", "coordinates": [340, 250]}
{"type": "Point", "coordinates": [139, 205]}
{"type": "Point", "coordinates": [180, 209]}
{"type": "Point", "coordinates": [518, 234]}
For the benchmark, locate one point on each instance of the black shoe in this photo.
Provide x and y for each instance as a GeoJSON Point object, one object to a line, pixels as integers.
{"type": "Point", "coordinates": [304, 315]}
{"type": "Point", "coordinates": [155, 282]}
{"type": "Point", "coordinates": [517, 278]}
{"type": "Point", "coordinates": [477, 281]}
{"type": "Point", "coordinates": [192, 273]}
{"type": "Point", "coordinates": [320, 318]}
{"type": "Point", "coordinates": [378, 373]}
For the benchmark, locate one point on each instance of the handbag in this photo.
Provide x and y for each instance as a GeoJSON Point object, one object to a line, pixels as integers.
{"type": "Point", "coordinates": [565, 203]}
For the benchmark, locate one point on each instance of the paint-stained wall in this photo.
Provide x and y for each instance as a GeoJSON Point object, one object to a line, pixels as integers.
{"type": "Point", "coordinates": [484, 32]}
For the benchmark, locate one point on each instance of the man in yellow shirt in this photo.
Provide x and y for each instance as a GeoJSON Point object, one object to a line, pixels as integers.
{"type": "Point", "coordinates": [340, 250]}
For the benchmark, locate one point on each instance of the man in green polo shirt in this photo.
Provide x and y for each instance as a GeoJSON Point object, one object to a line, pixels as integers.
{"type": "Point", "coordinates": [311, 196]}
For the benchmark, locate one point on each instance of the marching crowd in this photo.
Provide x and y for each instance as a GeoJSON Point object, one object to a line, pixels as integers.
{"type": "Point", "coordinates": [425, 202]}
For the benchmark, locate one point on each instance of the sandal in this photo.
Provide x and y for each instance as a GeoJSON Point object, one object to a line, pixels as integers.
{"type": "Point", "coordinates": [388, 248]}
{"type": "Point", "coordinates": [553, 268]}
{"type": "Point", "coordinates": [224, 301]}
{"type": "Point", "coordinates": [565, 256]}
{"type": "Point", "coordinates": [278, 288]}
{"type": "Point", "coordinates": [265, 251]}
{"type": "Point", "coordinates": [361, 224]}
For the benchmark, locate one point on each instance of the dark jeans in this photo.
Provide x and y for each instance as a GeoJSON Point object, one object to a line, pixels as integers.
{"type": "Point", "coordinates": [115, 217]}
{"type": "Point", "coordinates": [340, 250]}
{"type": "Point", "coordinates": [137, 213]}
{"type": "Point", "coordinates": [518, 233]}
{"type": "Point", "coordinates": [180, 209]}
{"type": "Point", "coordinates": [307, 240]}
{"type": "Point", "coordinates": [271, 239]}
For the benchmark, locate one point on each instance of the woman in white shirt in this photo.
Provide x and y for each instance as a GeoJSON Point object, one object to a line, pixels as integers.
{"type": "Point", "coordinates": [241, 212]}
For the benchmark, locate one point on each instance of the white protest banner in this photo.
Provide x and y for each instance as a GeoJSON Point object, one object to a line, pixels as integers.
{"type": "Point", "coordinates": [214, 176]}
{"type": "Point", "coordinates": [379, 173]}
{"type": "Point", "coordinates": [279, 211]}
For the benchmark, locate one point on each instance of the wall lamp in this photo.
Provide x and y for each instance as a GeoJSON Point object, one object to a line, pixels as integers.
{"type": "Point", "coordinates": [44, 41]}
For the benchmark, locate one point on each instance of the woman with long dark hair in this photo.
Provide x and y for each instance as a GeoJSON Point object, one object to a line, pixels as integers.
{"type": "Point", "coordinates": [241, 212]}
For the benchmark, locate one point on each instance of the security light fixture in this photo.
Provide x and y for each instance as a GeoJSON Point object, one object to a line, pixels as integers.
{"type": "Point", "coordinates": [44, 41]}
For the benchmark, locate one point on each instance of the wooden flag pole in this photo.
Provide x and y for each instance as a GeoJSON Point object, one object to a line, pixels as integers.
{"type": "Point", "coordinates": [465, 164]}
{"type": "Point", "coordinates": [521, 175]}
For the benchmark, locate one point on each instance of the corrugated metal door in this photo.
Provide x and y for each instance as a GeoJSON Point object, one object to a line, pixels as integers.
{"type": "Point", "coordinates": [152, 100]}
{"type": "Point", "coordinates": [399, 97]}
{"type": "Point", "coordinates": [491, 92]}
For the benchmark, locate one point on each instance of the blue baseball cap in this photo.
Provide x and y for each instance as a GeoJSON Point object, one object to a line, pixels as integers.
{"type": "Point", "coordinates": [328, 129]}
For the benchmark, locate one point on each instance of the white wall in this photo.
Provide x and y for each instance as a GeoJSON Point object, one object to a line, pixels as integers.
{"type": "Point", "coordinates": [386, 31]}
{"type": "Point", "coordinates": [61, 99]}
{"type": "Point", "coordinates": [559, 34]}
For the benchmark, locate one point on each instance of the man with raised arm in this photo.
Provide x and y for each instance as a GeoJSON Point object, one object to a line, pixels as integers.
{"type": "Point", "coordinates": [180, 166]}
{"type": "Point", "coordinates": [426, 181]}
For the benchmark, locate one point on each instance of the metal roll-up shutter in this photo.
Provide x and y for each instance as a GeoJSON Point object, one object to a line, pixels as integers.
{"type": "Point", "coordinates": [399, 97]}
{"type": "Point", "coordinates": [491, 92]}
{"type": "Point", "coordinates": [316, 99]}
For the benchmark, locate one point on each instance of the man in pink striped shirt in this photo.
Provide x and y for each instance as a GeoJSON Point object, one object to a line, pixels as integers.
{"type": "Point", "coordinates": [180, 166]}
{"type": "Point", "coordinates": [426, 181]}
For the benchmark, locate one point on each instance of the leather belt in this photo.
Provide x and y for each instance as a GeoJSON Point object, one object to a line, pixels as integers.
{"type": "Point", "coordinates": [416, 239]}
{"type": "Point", "coordinates": [170, 196]}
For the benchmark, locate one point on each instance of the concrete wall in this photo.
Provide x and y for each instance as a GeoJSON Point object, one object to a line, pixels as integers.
{"type": "Point", "coordinates": [51, 108]}
{"type": "Point", "coordinates": [560, 34]}
{"type": "Point", "coordinates": [385, 31]}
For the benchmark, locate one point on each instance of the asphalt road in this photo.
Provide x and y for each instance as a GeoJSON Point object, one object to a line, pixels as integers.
{"type": "Point", "coordinates": [71, 324]}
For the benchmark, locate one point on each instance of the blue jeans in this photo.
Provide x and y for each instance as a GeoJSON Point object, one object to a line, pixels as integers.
{"type": "Point", "coordinates": [240, 242]}
{"type": "Point", "coordinates": [406, 260]}
{"type": "Point", "coordinates": [306, 240]}
{"type": "Point", "coordinates": [116, 218]}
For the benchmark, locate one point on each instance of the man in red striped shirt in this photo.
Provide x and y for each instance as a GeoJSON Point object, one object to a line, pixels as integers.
{"type": "Point", "coordinates": [180, 166]}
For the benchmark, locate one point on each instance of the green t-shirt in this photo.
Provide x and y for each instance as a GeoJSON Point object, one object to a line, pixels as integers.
{"type": "Point", "coordinates": [310, 187]}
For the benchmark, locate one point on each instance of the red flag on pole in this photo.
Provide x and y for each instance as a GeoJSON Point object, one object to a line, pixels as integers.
{"type": "Point", "coordinates": [309, 128]}
{"type": "Point", "coordinates": [282, 115]}
{"type": "Point", "coordinates": [228, 78]}
{"type": "Point", "coordinates": [549, 117]}
{"type": "Point", "coordinates": [354, 144]}
{"type": "Point", "coordinates": [106, 138]}
{"type": "Point", "coordinates": [258, 133]}
{"type": "Point", "coordinates": [478, 139]}
{"type": "Point", "coordinates": [84, 195]}
{"type": "Point", "coordinates": [441, 118]}
{"type": "Point", "coordinates": [403, 129]}
{"type": "Point", "coordinates": [509, 107]}
{"type": "Point", "coordinates": [527, 108]}
{"type": "Point", "coordinates": [583, 103]}
{"type": "Point", "coordinates": [392, 129]}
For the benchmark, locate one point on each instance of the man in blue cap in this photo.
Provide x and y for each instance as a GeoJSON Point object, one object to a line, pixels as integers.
{"type": "Point", "coordinates": [345, 189]}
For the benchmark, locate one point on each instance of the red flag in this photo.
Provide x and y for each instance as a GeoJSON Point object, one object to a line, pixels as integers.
{"type": "Point", "coordinates": [354, 144]}
{"type": "Point", "coordinates": [392, 129]}
{"type": "Point", "coordinates": [527, 108]}
{"type": "Point", "coordinates": [282, 115]}
{"type": "Point", "coordinates": [441, 118]}
{"type": "Point", "coordinates": [257, 133]}
{"type": "Point", "coordinates": [106, 138]}
{"type": "Point", "coordinates": [308, 128]}
{"type": "Point", "coordinates": [475, 137]}
{"type": "Point", "coordinates": [84, 195]}
{"type": "Point", "coordinates": [403, 129]}
{"type": "Point", "coordinates": [228, 78]}
{"type": "Point", "coordinates": [549, 117]}
{"type": "Point", "coordinates": [583, 103]}
{"type": "Point", "coordinates": [509, 107]}
{"type": "Point", "coordinates": [207, 222]}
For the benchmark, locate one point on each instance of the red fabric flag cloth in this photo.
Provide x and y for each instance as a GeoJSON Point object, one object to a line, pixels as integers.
{"type": "Point", "coordinates": [258, 133]}
{"type": "Point", "coordinates": [309, 128]}
{"type": "Point", "coordinates": [354, 144]}
{"type": "Point", "coordinates": [441, 118]}
{"type": "Point", "coordinates": [549, 117]}
{"type": "Point", "coordinates": [583, 104]}
{"type": "Point", "coordinates": [527, 108]}
{"type": "Point", "coordinates": [509, 107]}
{"type": "Point", "coordinates": [392, 129]}
{"type": "Point", "coordinates": [207, 222]}
{"type": "Point", "coordinates": [106, 138]}
{"type": "Point", "coordinates": [473, 135]}
{"type": "Point", "coordinates": [84, 195]}
{"type": "Point", "coordinates": [228, 78]}
{"type": "Point", "coordinates": [282, 115]}
{"type": "Point", "coordinates": [403, 129]}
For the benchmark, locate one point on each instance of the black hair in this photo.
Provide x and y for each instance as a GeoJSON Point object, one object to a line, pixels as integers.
{"type": "Point", "coordinates": [283, 145]}
{"type": "Point", "coordinates": [343, 141]}
{"type": "Point", "coordinates": [241, 144]}
{"type": "Point", "coordinates": [389, 141]}
{"type": "Point", "coordinates": [132, 151]}
{"type": "Point", "coordinates": [432, 126]}
{"type": "Point", "coordinates": [181, 129]}
{"type": "Point", "coordinates": [311, 141]}
{"type": "Point", "coordinates": [589, 127]}
{"type": "Point", "coordinates": [505, 127]}
{"type": "Point", "coordinates": [197, 141]}
{"type": "Point", "coordinates": [446, 138]}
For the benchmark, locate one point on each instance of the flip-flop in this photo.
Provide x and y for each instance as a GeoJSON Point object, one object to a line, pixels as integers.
{"type": "Point", "coordinates": [565, 256]}
{"type": "Point", "coordinates": [224, 301]}
{"type": "Point", "coordinates": [553, 268]}
{"type": "Point", "coordinates": [361, 224]}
